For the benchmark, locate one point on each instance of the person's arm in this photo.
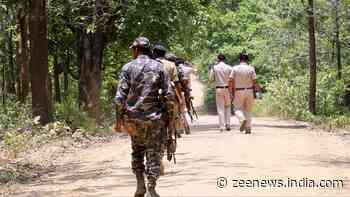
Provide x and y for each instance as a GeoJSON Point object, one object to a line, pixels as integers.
{"type": "Point", "coordinates": [232, 85]}
{"type": "Point", "coordinates": [256, 86]}
{"type": "Point", "coordinates": [120, 98]}
{"type": "Point", "coordinates": [169, 100]}
{"type": "Point", "coordinates": [232, 88]}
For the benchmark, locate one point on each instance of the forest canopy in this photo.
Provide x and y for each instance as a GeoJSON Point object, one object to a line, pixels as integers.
{"type": "Point", "coordinates": [60, 59]}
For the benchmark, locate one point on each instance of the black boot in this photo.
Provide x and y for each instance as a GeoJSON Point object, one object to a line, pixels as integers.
{"type": "Point", "coordinates": [151, 187]}
{"type": "Point", "coordinates": [141, 187]}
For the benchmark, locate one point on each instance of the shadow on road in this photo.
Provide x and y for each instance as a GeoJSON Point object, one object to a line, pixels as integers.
{"type": "Point", "coordinates": [207, 127]}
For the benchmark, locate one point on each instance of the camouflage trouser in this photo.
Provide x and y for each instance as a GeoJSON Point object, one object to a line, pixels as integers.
{"type": "Point", "coordinates": [149, 147]}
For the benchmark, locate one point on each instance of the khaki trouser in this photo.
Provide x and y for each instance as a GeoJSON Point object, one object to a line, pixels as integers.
{"type": "Point", "coordinates": [223, 105]}
{"type": "Point", "coordinates": [244, 100]}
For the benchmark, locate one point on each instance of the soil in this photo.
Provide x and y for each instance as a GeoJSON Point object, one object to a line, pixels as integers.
{"type": "Point", "coordinates": [277, 149]}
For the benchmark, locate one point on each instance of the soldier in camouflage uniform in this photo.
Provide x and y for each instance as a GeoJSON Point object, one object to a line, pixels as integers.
{"type": "Point", "coordinates": [144, 93]}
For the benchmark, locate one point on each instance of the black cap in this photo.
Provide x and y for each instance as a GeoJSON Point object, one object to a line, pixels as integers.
{"type": "Point", "coordinates": [160, 47]}
{"type": "Point", "coordinates": [141, 42]}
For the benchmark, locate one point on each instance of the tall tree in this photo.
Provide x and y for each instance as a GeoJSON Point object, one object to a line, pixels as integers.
{"type": "Point", "coordinates": [312, 57]}
{"type": "Point", "coordinates": [3, 85]}
{"type": "Point", "coordinates": [39, 60]}
{"type": "Point", "coordinates": [65, 74]}
{"type": "Point", "coordinates": [337, 9]}
{"type": "Point", "coordinates": [11, 76]}
{"type": "Point", "coordinates": [91, 46]}
{"type": "Point", "coordinates": [57, 70]}
{"type": "Point", "coordinates": [22, 49]}
{"type": "Point", "coordinates": [97, 25]}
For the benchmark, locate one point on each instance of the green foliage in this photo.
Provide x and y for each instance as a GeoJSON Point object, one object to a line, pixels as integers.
{"type": "Point", "coordinates": [69, 112]}
{"type": "Point", "coordinates": [34, 135]}
{"type": "Point", "coordinates": [14, 114]}
{"type": "Point", "coordinates": [289, 98]}
{"type": "Point", "coordinates": [20, 132]}
{"type": "Point", "coordinates": [210, 100]}
{"type": "Point", "coordinates": [273, 32]}
{"type": "Point", "coordinates": [275, 35]}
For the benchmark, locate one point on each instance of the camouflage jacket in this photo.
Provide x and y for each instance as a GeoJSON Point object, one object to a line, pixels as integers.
{"type": "Point", "coordinates": [144, 91]}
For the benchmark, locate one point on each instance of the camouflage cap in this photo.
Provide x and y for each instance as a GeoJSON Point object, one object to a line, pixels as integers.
{"type": "Point", "coordinates": [141, 42]}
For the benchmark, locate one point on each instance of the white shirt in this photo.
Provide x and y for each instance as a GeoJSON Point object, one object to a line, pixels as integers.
{"type": "Point", "coordinates": [220, 74]}
{"type": "Point", "coordinates": [187, 71]}
{"type": "Point", "coordinates": [243, 75]}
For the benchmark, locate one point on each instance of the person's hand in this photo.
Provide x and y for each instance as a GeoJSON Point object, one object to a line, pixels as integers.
{"type": "Point", "coordinates": [257, 88]}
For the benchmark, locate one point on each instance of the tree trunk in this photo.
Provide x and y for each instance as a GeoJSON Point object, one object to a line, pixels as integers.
{"type": "Point", "coordinates": [11, 87]}
{"type": "Point", "coordinates": [90, 80]}
{"type": "Point", "coordinates": [23, 58]}
{"type": "Point", "coordinates": [39, 60]}
{"type": "Point", "coordinates": [65, 75]}
{"type": "Point", "coordinates": [4, 86]}
{"type": "Point", "coordinates": [50, 93]}
{"type": "Point", "coordinates": [312, 56]}
{"type": "Point", "coordinates": [337, 34]}
{"type": "Point", "coordinates": [91, 47]}
{"type": "Point", "coordinates": [57, 71]}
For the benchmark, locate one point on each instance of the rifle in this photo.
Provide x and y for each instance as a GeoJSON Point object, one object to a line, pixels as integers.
{"type": "Point", "coordinates": [171, 146]}
{"type": "Point", "coordinates": [171, 143]}
{"type": "Point", "coordinates": [188, 100]}
{"type": "Point", "coordinates": [187, 93]}
{"type": "Point", "coordinates": [233, 110]}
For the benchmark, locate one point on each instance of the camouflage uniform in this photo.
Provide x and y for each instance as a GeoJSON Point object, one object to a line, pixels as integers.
{"type": "Point", "coordinates": [142, 83]}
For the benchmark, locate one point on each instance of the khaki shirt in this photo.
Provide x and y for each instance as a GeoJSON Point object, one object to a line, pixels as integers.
{"type": "Point", "coordinates": [170, 68]}
{"type": "Point", "coordinates": [243, 75]}
{"type": "Point", "coordinates": [220, 74]}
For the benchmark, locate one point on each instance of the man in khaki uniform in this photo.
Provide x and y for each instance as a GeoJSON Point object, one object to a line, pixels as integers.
{"type": "Point", "coordinates": [242, 84]}
{"type": "Point", "coordinates": [220, 73]}
{"type": "Point", "coordinates": [159, 52]}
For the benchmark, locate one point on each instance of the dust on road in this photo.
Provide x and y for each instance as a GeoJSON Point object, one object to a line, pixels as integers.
{"type": "Point", "coordinates": [276, 150]}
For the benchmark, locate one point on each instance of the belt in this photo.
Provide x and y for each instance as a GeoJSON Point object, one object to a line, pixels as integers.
{"type": "Point", "coordinates": [251, 88]}
{"type": "Point", "coordinates": [221, 87]}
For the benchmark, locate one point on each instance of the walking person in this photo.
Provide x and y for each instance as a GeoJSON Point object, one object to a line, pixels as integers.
{"type": "Point", "coordinates": [220, 73]}
{"type": "Point", "coordinates": [243, 83]}
{"type": "Point", "coordinates": [143, 98]}
{"type": "Point", "coordinates": [159, 52]}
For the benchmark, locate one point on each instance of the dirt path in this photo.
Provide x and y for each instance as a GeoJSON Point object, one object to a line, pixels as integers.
{"type": "Point", "coordinates": [276, 150]}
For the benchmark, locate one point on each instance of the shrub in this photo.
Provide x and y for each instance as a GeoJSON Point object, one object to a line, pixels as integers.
{"type": "Point", "coordinates": [69, 112]}
{"type": "Point", "coordinates": [289, 98]}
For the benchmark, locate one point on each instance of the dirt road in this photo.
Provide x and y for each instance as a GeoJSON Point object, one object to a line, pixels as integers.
{"type": "Point", "coordinates": [277, 149]}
